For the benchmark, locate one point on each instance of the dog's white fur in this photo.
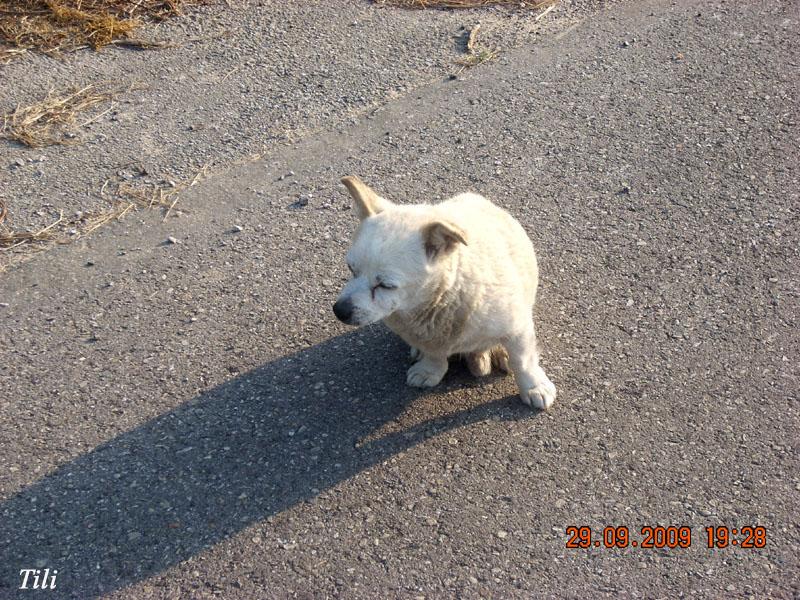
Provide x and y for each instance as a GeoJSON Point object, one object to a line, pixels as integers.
{"type": "Point", "coordinates": [458, 277]}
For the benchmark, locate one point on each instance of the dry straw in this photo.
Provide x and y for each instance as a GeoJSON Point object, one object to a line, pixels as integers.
{"type": "Point", "coordinates": [126, 198]}
{"type": "Point", "coordinates": [157, 196]}
{"type": "Point", "coordinates": [421, 4]}
{"type": "Point", "coordinates": [476, 55]}
{"type": "Point", "coordinates": [11, 239]}
{"type": "Point", "coordinates": [54, 119]}
{"type": "Point", "coordinates": [53, 26]}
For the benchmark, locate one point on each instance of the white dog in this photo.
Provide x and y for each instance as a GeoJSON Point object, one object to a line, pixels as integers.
{"type": "Point", "coordinates": [458, 277]}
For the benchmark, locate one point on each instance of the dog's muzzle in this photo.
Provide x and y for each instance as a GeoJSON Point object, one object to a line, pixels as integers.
{"type": "Point", "coordinates": [343, 309]}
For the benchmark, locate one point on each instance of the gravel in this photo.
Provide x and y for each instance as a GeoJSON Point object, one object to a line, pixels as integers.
{"type": "Point", "coordinates": [246, 78]}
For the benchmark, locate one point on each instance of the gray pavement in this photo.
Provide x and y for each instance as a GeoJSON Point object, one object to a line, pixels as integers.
{"type": "Point", "coordinates": [244, 78]}
{"type": "Point", "coordinates": [190, 421]}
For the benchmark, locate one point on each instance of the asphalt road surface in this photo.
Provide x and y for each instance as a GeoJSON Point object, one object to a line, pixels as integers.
{"type": "Point", "coordinates": [239, 79]}
{"type": "Point", "coordinates": [189, 420]}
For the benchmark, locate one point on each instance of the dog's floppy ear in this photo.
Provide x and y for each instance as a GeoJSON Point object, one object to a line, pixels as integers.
{"type": "Point", "coordinates": [441, 237]}
{"type": "Point", "coordinates": [367, 202]}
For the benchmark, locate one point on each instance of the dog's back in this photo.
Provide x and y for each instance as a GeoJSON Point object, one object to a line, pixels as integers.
{"type": "Point", "coordinates": [501, 253]}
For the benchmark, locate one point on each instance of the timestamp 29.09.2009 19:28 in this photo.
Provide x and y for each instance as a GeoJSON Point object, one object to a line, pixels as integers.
{"type": "Point", "coordinates": [657, 536]}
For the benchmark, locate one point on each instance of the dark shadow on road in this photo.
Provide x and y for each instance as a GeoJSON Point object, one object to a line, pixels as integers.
{"type": "Point", "coordinates": [245, 450]}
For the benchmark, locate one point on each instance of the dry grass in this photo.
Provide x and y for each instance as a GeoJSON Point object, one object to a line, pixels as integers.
{"type": "Point", "coordinates": [94, 219]}
{"type": "Point", "coordinates": [476, 55]}
{"type": "Point", "coordinates": [124, 199]}
{"type": "Point", "coordinates": [156, 195]}
{"type": "Point", "coordinates": [54, 119]}
{"type": "Point", "coordinates": [11, 239]}
{"type": "Point", "coordinates": [53, 26]}
{"type": "Point", "coordinates": [58, 231]}
{"type": "Point", "coordinates": [421, 4]}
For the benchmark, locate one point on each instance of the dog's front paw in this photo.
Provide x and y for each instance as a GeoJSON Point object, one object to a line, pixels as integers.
{"type": "Point", "coordinates": [426, 373]}
{"type": "Point", "coordinates": [414, 354]}
{"type": "Point", "coordinates": [537, 391]}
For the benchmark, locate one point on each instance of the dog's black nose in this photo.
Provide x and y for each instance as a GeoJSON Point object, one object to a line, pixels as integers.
{"type": "Point", "coordinates": [343, 309]}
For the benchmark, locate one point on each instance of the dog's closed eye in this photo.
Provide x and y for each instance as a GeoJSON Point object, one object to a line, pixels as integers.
{"type": "Point", "coordinates": [382, 286]}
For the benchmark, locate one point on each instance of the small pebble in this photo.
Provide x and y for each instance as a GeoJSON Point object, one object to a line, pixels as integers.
{"type": "Point", "coordinates": [172, 240]}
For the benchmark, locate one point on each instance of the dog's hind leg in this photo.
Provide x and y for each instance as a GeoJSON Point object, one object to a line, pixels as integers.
{"type": "Point", "coordinates": [500, 359]}
{"type": "Point", "coordinates": [479, 363]}
{"type": "Point", "coordinates": [535, 388]}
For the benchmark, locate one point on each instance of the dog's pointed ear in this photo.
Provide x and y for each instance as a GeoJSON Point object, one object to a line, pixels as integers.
{"type": "Point", "coordinates": [367, 202]}
{"type": "Point", "coordinates": [441, 238]}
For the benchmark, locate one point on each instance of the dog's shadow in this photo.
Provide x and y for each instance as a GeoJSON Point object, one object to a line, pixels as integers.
{"type": "Point", "coordinates": [245, 450]}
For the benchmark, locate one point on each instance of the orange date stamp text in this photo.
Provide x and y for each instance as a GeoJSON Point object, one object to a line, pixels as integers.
{"type": "Point", "coordinates": [658, 536]}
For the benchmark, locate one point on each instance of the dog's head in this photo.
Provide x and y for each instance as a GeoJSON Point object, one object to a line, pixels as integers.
{"type": "Point", "coordinates": [395, 256]}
